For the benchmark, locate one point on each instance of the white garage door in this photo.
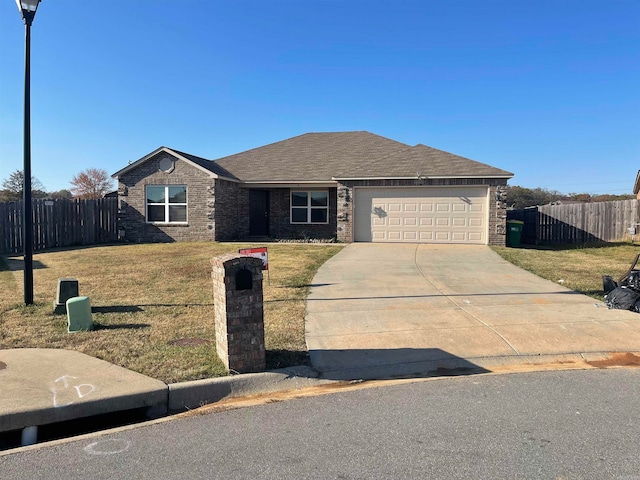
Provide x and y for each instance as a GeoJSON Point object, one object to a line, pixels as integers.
{"type": "Point", "coordinates": [421, 214]}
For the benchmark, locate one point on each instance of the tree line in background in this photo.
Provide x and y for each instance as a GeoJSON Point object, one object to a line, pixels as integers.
{"type": "Point", "coordinates": [520, 197]}
{"type": "Point", "coordinates": [92, 183]}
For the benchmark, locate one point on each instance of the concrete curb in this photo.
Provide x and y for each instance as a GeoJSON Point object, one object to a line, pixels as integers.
{"type": "Point", "coordinates": [194, 394]}
{"type": "Point", "coordinates": [197, 393]}
{"type": "Point", "coordinates": [468, 366]}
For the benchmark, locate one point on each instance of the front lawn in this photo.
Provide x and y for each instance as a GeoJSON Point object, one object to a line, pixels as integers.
{"type": "Point", "coordinates": [153, 305]}
{"type": "Point", "coordinates": [578, 268]}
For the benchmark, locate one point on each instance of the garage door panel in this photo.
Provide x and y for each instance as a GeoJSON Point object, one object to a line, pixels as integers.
{"type": "Point", "coordinates": [426, 207]}
{"type": "Point", "coordinates": [421, 214]}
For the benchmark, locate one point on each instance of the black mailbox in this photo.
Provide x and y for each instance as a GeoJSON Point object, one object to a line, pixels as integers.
{"type": "Point", "coordinates": [244, 279]}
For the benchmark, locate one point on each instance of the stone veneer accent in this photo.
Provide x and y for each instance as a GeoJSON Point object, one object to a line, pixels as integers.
{"type": "Point", "coordinates": [239, 316]}
{"type": "Point", "coordinates": [497, 204]}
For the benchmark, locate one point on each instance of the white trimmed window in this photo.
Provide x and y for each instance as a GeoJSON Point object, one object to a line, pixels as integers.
{"type": "Point", "coordinates": [166, 203]}
{"type": "Point", "coordinates": [310, 206]}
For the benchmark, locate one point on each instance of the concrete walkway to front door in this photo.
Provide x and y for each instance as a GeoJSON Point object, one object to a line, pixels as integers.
{"type": "Point", "coordinates": [383, 310]}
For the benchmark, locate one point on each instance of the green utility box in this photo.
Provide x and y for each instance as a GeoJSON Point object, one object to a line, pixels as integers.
{"type": "Point", "coordinates": [514, 232]}
{"type": "Point", "coordinates": [79, 314]}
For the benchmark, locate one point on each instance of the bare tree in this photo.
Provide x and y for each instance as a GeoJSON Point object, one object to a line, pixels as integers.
{"type": "Point", "coordinates": [91, 183]}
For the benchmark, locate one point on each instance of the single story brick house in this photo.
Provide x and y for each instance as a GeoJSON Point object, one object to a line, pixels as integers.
{"type": "Point", "coordinates": [347, 186]}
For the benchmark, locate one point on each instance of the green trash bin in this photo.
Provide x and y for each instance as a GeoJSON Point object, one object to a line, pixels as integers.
{"type": "Point", "coordinates": [514, 232]}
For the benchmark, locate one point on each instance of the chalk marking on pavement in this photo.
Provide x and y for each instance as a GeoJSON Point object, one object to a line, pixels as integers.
{"type": "Point", "coordinates": [111, 446]}
{"type": "Point", "coordinates": [82, 390]}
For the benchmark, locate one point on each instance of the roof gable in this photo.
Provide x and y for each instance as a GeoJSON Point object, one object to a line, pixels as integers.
{"type": "Point", "coordinates": [205, 165]}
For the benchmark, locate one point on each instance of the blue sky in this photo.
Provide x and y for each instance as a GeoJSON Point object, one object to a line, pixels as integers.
{"type": "Point", "coordinates": [548, 90]}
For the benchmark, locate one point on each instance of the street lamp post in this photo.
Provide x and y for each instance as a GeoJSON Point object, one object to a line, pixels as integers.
{"type": "Point", "coordinates": [28, 11]}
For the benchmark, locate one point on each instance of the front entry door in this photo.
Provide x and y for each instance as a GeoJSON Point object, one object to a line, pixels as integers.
{"type": "Point", "coordinates": [258, 212]}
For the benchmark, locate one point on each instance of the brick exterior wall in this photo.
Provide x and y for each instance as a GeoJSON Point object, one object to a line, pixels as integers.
{"type": "Point", "coordinates": [132, 197]}
{"type": "Point", "coordinates": [226, 200]}
{"type": "Point", "coordinates": [236, 210]}
{"type": "Point", "coordinates": [218, 210]}
{"type": "Point", "coordinates": [280, 217]}
{"type": "Point", "coordinates": [497, 204]}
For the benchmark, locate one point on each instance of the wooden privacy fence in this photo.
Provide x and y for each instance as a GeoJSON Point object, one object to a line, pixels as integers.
{"type": "Point", "coordinates": [580, 222]}
{"type": "Point", "coordinates": [60, 223]}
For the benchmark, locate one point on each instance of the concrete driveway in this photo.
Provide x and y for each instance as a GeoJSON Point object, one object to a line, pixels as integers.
{"type": "Point", "coordinates": [379, 310]}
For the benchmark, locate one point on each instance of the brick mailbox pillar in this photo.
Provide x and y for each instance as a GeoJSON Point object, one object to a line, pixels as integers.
{"type": "Point", "coordinates": [239, 318]}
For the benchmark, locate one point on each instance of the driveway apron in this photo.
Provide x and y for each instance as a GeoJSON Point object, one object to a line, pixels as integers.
{"type": "Point", "coordinates": [378, 310]}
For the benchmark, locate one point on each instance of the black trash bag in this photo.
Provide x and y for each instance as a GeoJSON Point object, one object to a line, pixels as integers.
{"type": "Point", "coordinates": [622, 298]}
{"type": "Point", "coordinates": [608, 284]}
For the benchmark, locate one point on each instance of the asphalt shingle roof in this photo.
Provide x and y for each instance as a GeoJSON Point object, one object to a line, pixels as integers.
{"type": "Point", "coordinates": [204, 163]}
{"type": "Point", "coordinates": [309, 157]}
{"type": "Point", "coordinates": [424, 161]}
{"type": "Point", "coordinates": [324, 156]}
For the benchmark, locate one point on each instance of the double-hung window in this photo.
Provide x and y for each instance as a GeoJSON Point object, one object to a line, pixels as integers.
{"type": "Point", "coordinates": [166, 203]}
{"type": "Point", "coordinates": [310, 206]}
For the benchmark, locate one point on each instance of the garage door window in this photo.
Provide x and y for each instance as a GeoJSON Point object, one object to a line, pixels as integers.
{"type": "Point", "coordinates": [310, 207]}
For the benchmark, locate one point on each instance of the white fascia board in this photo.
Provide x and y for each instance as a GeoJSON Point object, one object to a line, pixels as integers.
{"type": "Point", "coordinates": [422, 177]}
{"type": "Point", "coordinates": [338, 179]}
{"type": "Point", "coordinates": [440, 177]}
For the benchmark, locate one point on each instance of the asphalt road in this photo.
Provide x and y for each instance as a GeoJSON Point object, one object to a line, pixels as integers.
{"type": "Point", "coordinates": [555, 425]}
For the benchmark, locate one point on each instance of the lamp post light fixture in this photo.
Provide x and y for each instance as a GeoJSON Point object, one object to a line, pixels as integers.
{"type": "Point", "coordinates": [28, 11]}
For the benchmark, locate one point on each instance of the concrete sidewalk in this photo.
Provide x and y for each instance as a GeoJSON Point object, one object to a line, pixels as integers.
{"type": "Point", "coordinates": [40, 386]}
{"type": "Point", "coordinates": [378, 310]}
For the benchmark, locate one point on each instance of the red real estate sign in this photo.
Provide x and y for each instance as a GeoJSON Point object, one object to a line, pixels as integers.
{"type": "Point", "coordinates": [260, 252]}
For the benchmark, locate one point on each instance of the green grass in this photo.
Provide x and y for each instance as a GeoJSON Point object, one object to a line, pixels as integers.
{"type": "Point", "coordinates": [579, 268]}
{"type": "Point", "coordinates": [154, 305]}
